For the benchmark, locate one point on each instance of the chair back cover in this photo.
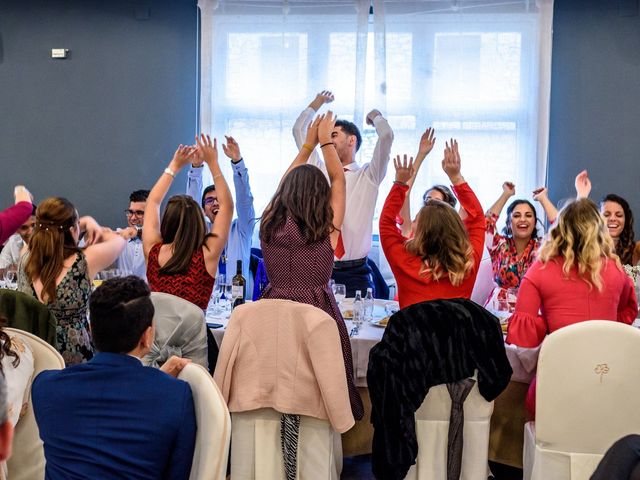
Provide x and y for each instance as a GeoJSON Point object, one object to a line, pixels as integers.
{"type": "Point", "coordinates": [25, 312]}
{"type": "Point", "coordinates": [27, 461]}
{"type": "Point", "coordinates": [180, 330]}
{"type": "Point", "coordinates": [432, 428]}
{"type": "Point", "coordinates": [484, 281]}
{"type": "Point", "coordinates": [586, 398]}
{"type": "Point", "coordinates": [214, 425]}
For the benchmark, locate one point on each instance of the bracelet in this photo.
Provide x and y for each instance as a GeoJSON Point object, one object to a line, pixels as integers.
{"type": "Point", "coordinates": [325, 144]}
{"type": "Point", "coordinates": [216, 176]}
{"type": "Point", "coordinates": [308, 147]}
{"type": "Point", "coordinates": [168, 171]}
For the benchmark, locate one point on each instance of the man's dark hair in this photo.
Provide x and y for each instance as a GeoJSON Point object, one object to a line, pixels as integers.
{"type": "Point", "coordinates": [139, 196]}
{"type": "Point", "coordinates": [120, 312]}
{"type": "Point", "coordinates": [350, 129]}
{"type": "Point", "coordinates": [33, 210]}
{"type": "Point", "coordinates": [210, 188]}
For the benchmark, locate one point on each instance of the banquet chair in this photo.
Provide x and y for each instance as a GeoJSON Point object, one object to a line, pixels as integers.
{"type": "Point", "coordinates": [180, 330]}
{"type": "Point", "coordinates": [27, 461]}
{"type": "Point", "coordinates": [432, 430]}
{"type": "Point", "coordinates": [280, 357]}
{"type": "Point", "coordinates": [214, 425]}
{"type": "Point", "coordinates": [24, 312]}
{"type": "Point", "coordinates": [586, 398]}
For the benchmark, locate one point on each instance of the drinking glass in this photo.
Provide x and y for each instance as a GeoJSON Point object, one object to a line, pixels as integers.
{"type": "Point", "coordinates": [228, 295]}
{"type": "Point", "coordinates": [10, 277]}
{"type": "Point", "coordinates": [340, 291]}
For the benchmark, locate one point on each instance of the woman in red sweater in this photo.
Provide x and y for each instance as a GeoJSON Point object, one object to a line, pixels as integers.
{"type": "Point", "coordinates": [441, 259]}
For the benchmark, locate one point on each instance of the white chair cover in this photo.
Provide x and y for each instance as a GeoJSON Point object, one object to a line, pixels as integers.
{"type": "Point", "coordinates": [257, 455]}
{"type": "Point", "coordinates": [432, 431]}
{"type": "Point", "coordinates": [484, 281]}
{"type": "Point", "coordinates": [27, 461]}
{"type": "Point", "coordinates": [586, 399]}
{"type": "Point", "coordinates": [214, 425]}
{"type": "Point", "coordinates": [180, 330]}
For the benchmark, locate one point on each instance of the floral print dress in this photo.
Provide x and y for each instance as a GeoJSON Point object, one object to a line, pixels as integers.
{"type": "Point", "coordinates": [70, 308]}
{"type": "Point", "coordinates": [508, 267]}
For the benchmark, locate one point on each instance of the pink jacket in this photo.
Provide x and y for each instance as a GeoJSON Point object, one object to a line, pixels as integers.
{"type": "Point", "coordinates": [286, 356]}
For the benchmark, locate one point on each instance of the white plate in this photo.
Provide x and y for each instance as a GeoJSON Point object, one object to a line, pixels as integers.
{"type": "Point", "coordinates": [376, 323]}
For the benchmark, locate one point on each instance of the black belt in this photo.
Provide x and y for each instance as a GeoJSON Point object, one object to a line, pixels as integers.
{"type": "Point", "coordinates": [349, 264]}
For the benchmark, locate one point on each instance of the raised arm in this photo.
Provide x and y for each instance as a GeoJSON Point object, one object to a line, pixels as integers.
{"type": "Point", "coordinates": [508, 191]}
{"type": "Point", "coordinates": [151, 228]}
{"type": "Point", "coordinates": [208, 150]}
{"type": "Point", "coordinates": [378, 166]}
{"type": "Point", "coordinates": [303, 121]}
{"type": "Point", "coordinates": [244, 198]}
{"type": "Point", "coordinates": [11, 218]}
{"type": "Point", "coordinates": [583, 185]}
{"type": "Point", "coordinates": [427, 141]}
{"type": "Point", "coordinates": [104, 247]}
{"type": "Point", "coordinates": [541, 195]}
{"type": "Point", "coordinates": [308, 147]}
{"type": "Point", "coordinates": [335, 171]}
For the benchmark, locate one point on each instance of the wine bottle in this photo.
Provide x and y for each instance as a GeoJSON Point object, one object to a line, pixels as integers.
{"type": "Point", "coordinates": [239, 286]}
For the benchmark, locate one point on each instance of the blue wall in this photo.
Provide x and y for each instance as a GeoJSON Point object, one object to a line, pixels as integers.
{"type": "Point", "coordinates": [106, 120]}
{"type": "Point", "coordinates": [595, 99]}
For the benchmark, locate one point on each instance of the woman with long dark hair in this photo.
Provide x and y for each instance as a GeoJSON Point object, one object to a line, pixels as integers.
{"type": "Point", "coordinates": [59, 273]}
{"type": "Point", "coordinates": [619, 218]}
{"type": "Point", "coordinates": [300, 233]}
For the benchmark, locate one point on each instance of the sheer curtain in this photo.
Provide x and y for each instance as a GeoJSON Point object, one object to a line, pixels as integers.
{"type": "Point", "coordinates": [476, 70]}
{"type": "Point", "coordinates": [262, 62]}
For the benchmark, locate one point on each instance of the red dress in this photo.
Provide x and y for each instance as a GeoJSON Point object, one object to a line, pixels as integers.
{"type": "Point", "coordinates": [300, 272]}
{"type": "Point", "coordinates": [414, 287]}
{"type": "Point", "coordinates": [195, 286]}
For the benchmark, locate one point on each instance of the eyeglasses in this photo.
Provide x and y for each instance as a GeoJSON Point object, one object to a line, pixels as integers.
{"type": "Point", "coordinates": [131, 213]}
{"type": "Point", "coordinates": [210, 200]}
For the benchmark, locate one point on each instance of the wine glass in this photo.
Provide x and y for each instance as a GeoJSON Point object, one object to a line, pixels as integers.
{"type": "Point", "coordinates": [340, 291]}
{"type": "Point", "coordinates": [228, 295]}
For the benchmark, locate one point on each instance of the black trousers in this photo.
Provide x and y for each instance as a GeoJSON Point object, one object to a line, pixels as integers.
{"type": "Point", "coordinates": [621, 462]}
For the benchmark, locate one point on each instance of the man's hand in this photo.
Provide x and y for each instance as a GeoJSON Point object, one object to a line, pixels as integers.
{"type": "Point", "coordinates": [128, 233]}
{"type": "Point", "coordinates": [540, 194]}
{"type": "Point", "coordinates": [312, 133]}
{"type": "Point", "coordinates": [232, 149]}
{"type": "Point", "coordinates": [427, 141]}
{"type": "Point", "coordinates": [325, 96]}
{"type": "Point", "coordinates": [372, 115]}
{"type": "Point", "coordinates": [404, 168]}
{"type": "Point", "coordinates": [509, 188]}
{"type": "Point", "coordinates": [451, 162]}
{"type": "Point", "coordinates": [207, 149]}
{"type": "Point", "coordinates": [325, 127]}
{"type": "Point", "coordinates": [583, 184]}
{"type": "Point", "coordinates": [174, 365]}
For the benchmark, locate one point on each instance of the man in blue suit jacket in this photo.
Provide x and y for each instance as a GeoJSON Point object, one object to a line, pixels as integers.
{"type": "Point", "coordinates": [112, 417]}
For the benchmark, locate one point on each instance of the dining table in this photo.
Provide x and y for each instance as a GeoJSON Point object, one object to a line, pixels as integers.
{"type": "Point", "coordinates": [508, 419]}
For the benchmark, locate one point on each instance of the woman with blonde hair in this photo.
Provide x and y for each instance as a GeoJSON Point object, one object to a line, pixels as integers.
{"type": "Point", "coordinates": [59, 273]}
{"type": "Point", "coordinates": [441, 259]}
{"type": "Point", "coordinates": [577, 277]}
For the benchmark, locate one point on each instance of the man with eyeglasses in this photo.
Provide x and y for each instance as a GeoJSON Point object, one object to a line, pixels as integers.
{"type": "Point", "coordinates": [12, 250]}
{"type": "Point", "coordinates": [131, 260]}
{"type": "Point", "coordinates": [238, 245]}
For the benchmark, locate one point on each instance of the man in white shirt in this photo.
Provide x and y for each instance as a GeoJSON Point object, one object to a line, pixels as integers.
{"type": "Point", "coordinates": [131, 260]}
{"type": "Point", "coordinates": [362, 189]}
{"type": "Point", "coordinates": [10, 255]}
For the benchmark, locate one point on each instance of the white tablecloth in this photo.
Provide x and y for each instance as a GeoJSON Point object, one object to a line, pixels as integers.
{"type": "Point", "coordinates": [523, 360]}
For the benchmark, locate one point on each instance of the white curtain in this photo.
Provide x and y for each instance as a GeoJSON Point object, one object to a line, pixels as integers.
{"type": "Point", "coordinates": [476, 70]}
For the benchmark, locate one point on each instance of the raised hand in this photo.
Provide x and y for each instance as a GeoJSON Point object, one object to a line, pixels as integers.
{"type": "Point", "coordinates": [207, 149]}
{"type": "Point", "coordinates": [312, 132]}
{"type": "Point", "coordinates": [540, 194]}
{"type": "Point", "coordinates": [404, 168]}
{"type": "Point", "coordinates": [451, 162]}
{"type": "Point", "coordinates": [583, 184]}
{"type": "Point", "coordinates": [232, 149]}
{"type": "Point", "coordinates": [21, 194]}
{"type": "Point", "coordinates": [372, 115]}
{"type": "Point", "coordinates": [427, 141]}
{"type": "Point", "coordinates": [182, 156]}
{"type": "Point", "coordinates": [325, 96]}
{"type": "Point", "coordinates": [509, 188]}
{"type": "Point", "coordinates": [325, 127]}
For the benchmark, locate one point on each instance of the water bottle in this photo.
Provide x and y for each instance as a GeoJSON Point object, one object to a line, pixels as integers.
{"type": "Point", "coordinates": [368, 305]}
{"type": "Point", "coordinates": [358, 309]}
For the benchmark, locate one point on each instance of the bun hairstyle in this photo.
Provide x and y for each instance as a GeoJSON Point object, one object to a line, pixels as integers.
{"type": "Point", "coordinates": [52, 241]}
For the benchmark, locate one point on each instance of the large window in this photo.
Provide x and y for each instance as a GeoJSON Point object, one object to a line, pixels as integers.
{"type": "Point", "coordinates": [474, 72]}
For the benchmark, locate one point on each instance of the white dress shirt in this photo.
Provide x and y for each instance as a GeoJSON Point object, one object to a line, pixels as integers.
{"type": "Point", "coordinates": [362, 185]}
{"type": "Point", "coordinates": [11, 252]}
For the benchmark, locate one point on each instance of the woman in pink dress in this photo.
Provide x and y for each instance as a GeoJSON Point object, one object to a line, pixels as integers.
{"type": "Point", "coordinates": [577, 277]}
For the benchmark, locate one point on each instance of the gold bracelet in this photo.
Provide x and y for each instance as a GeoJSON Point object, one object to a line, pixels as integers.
{"type": "Point", "coordinates": [308, 147]}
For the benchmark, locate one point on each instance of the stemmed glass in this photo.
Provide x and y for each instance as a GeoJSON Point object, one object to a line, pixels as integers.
{"type": "Point", "coordinates": [340, 292]}
{"type": "Point", "coordinates": [228, 295]}
{"type": "Point", "coordinates": [214, 304]}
